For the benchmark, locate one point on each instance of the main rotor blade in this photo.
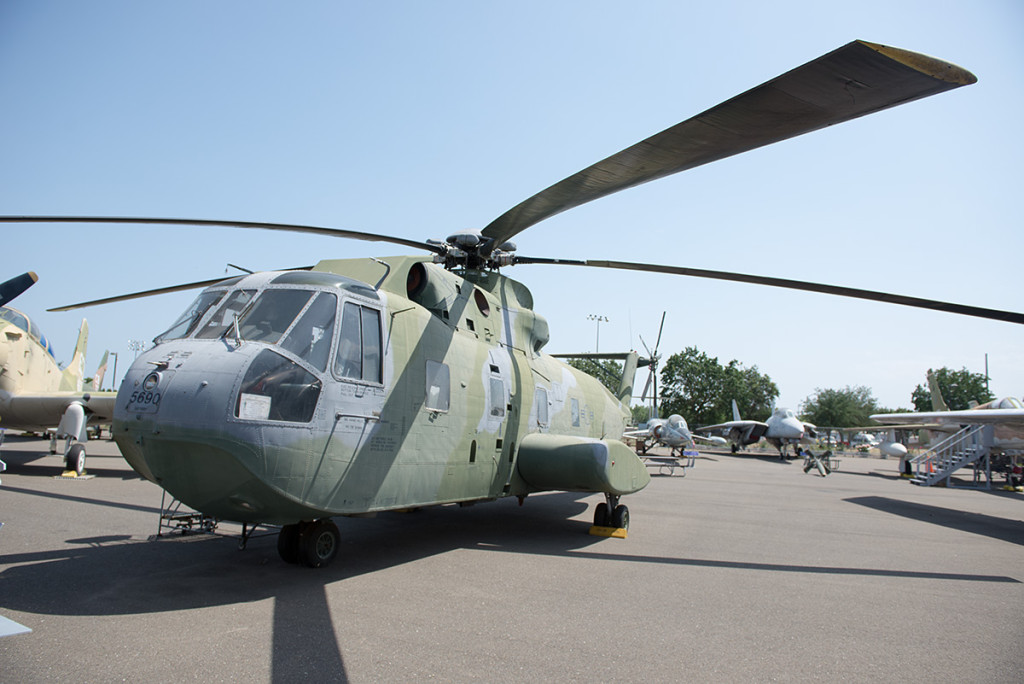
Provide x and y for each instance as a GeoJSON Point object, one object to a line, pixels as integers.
{"type": "Point", "coordinates": [154, 292]}
{"type": "Point", "coordinates": [9, 289]}
{"type": "Point", "coordinates": [661, 327]}
{"type": "Point", "coordinates": [257, 225]}
{"type": "Point", "coordinates": [917, 302]}
{"type": "Point", "coordinates": [856, 79]}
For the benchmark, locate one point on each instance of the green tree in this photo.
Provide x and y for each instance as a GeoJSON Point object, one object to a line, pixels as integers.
{"type": "Point", "coordinates": [699, 388]}
{"type": "Point", "coordinates": [847, 407]}
{"type": "Point", "coordinates": [754, 393]}
{"type": "Point", "coordinates": [641, 414]}
{"type": "Point", "coordinates": [958, 389]}
{"type": "Point", "coordinates": [608, 371]}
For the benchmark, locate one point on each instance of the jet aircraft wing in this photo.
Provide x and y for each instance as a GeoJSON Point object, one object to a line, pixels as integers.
{"type": "Point", "coordinates": [731, 425]}
{"type": "Point", "coordinates": [42, 411]}
{"type": "Point", "coordinates": [935, 419]}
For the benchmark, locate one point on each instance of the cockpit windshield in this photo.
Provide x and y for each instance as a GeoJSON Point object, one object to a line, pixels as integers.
{"type": "Point", "coordinates": [187, 322]}
{"type": "Point", "coordinates": [272, 314]}
{"type": "Point", "coordinates": [21, 321]}
{"type": "Point", "coordinates": [225, 315]}
{"type": "Point", "coordinates": [297, 320]}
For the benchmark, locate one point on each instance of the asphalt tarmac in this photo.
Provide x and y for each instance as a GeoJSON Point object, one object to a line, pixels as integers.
{"type": "Point", "coordinates": [746, 569]}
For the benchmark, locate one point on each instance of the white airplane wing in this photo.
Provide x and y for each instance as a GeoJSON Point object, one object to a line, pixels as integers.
{"type": "Point", "coordinates": [731, 425]}
{"type": "Point", "coordinates": [42, 411]}
{"type": "Point", "coordinates": [1006, 417]}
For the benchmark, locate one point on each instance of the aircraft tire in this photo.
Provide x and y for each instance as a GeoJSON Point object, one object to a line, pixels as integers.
{"type": "Point", "coordinates": [75, 460]}
{"type": "Point", "coordinates": [318, 543]}
{"type": "Point", "coordinates": [601, 517]}
{"type": "Point", "coordinates": [288, 544]}
{"type": "Point", "coordinates": [620, 517]}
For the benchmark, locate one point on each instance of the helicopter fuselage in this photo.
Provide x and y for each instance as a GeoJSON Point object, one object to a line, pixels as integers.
{"type": "Point", "coordinates": [363, 386]}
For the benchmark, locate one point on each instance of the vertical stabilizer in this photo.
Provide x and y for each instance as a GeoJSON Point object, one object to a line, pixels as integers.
{"type": "Point", "coordinates": [735, 411]}
{"type": "Point", "coordinates": [71, 378]}
{"type": "Point", "coordinates": [95, 383]}
{"type": "Point", "coordinates": [938, 404]}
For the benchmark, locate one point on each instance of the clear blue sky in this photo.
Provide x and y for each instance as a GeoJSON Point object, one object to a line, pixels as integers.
{"type": "Point", "coordinates": [420, 118]}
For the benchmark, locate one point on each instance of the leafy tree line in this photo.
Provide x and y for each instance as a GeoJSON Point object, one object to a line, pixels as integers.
{"type": "Point", "coordinates": [958, 389]}
{"type": "Point", "coordinates": [701, 389]}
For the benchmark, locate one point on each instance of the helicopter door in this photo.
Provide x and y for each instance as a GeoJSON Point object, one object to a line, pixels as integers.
{"type": "Point", "coordinates": [503, 408]}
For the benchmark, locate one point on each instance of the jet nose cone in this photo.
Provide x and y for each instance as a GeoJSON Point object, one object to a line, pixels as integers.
{"type": "Point", "coordinates": [792, 429]}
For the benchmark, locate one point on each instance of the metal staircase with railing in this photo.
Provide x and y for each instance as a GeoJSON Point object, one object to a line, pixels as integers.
{"type": "Point", "coordinates": [971, 446]}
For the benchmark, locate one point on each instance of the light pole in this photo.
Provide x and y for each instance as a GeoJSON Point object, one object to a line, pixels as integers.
{"type": "Point", "coordinates": [113, 378]}
{"type": "Point", "coordinates": [137, 346]}
{"type": "Point", "coordinates": [595, 317]}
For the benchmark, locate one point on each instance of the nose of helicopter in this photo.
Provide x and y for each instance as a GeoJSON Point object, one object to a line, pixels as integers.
{"type": "Point", "coordinates": [175, 423]}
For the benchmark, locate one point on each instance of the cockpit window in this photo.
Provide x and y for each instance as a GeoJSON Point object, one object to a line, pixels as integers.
{"type": "Point", "coordinates": [310, 338]}
{"type": "Point", "coordinates": [272, 314]}
{"type": "Point", "coordinates": [233, 305]}
{"type": "Point", "coordinates": [188, 321]}
{"type": "Point", "coordinates": [359, 344]}
{"type": "Point", "coordinates": [14, 317]}
{"type": "Point", "coordinates": [20, 320]}
{"type": "Point", "coordinates": [275, 388]}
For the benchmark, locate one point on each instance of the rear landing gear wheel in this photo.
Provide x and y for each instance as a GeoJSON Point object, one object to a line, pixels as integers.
{"type": "Point", "coordinates": [318, 543]}
{"type": "Point", "coordinates": [620, 517]}
{"type": "Point", "coordinates": [75, 459]}
{"type": "Point", "coordinates": [610, 514]}
{"type": "Point", "coordinates": [288, 544]}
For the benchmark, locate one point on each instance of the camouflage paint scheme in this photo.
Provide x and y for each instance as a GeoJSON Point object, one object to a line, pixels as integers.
{"type": "Point", "coordinates": [516, 420]}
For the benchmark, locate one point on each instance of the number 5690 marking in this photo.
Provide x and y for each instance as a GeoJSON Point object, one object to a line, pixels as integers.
{"type": "Point", "coordinates": [144, 401]}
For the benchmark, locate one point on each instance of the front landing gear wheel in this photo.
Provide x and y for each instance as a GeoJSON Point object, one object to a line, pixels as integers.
{"type": "Point", "coordinates": [288, 544]}
{"type": "Point", "coordinates": [318, 543]}
{"type": "Point", "coordinates": [75, 459]}
{"type": "Point", "coordinates": [601, 517]}
{"type": "Point", "coordinates": [620, 517]}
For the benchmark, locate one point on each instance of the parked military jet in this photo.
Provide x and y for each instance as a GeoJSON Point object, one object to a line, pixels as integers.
{"type": "Point", "coordinates": [35, 393]}
{"type": "Point", "coordinates": [782, 430]}
{"type": "Point", "coordinates": [1005, 414]}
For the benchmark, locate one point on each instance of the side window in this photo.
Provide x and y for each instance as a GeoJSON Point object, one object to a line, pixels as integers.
{"type": "Point", "coordinates": [359, 344]}
{"type": "Point", "coordinates": [438, 387]}
{"type": "Point", "coordinates": [370, 319]}
{"type": "Point", "coordinates": [540, 398]}
{"type": "Point", "coordinates": [497, 397]}
{"type": "Point", "coordinates": [574, 407]}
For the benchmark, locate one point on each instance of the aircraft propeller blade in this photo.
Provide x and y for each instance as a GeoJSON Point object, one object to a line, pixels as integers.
{"type": "Point", "coordinates": [156, 291]}
{"type": "Point", "coordinates": [257, 225]}
{"type": "Point", "coordinates": [9, 289]}
{"type": "Point", "coordinates": [856, 79]}
{"type": "Point", "coordinates": [917, 302]}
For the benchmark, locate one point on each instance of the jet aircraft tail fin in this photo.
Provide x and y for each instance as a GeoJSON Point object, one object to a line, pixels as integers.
{"type": "Point", "coordinates": [95, 383]}
{"type": "Point", "coordinates": [735, 411]}
{"type": "Point", "coordinates": [938, 403]}
{"type": "Point", "coordinates": [73, 376]}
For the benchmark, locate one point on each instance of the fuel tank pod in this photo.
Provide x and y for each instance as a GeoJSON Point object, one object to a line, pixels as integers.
{"type": "Point", "coordinates": [580, 464]}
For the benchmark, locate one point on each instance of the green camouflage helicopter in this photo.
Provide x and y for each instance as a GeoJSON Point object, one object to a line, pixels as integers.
{"type": "Point", "coordinates": [357, 386]}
